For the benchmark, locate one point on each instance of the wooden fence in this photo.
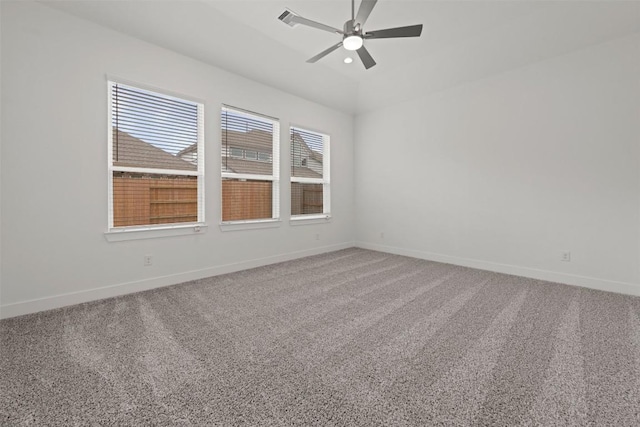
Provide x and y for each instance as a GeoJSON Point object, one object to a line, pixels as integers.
{"type": "Point", "coordinates": [306, 199]}
{"type": "Point", "coordinates": [144, 200]}
{"type": "Point", "coordinates": [245, 200]}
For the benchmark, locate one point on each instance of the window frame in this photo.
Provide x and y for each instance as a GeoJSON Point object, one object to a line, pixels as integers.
{"type": "Point", "coordinates": [274, 178]}
{"type": "Point", "coordinates": [325, 180]}
{"type": "Point", "coordinates": [154, 230]}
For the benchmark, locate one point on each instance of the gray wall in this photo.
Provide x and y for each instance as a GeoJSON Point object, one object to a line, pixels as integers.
{"type": "Point", "coordinates": [507, 172]}
{"type": "Point", "coordinates": [54, 166]}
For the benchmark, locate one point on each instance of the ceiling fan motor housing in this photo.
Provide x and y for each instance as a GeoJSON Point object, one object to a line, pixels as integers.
{"type": "Point", "coordinates": [351, 29]}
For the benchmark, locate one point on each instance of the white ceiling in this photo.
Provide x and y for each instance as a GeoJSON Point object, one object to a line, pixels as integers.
{"type": "Point", "coordinates": [461, 40]}
{"type": "Point", "coordinates": [445, 22]}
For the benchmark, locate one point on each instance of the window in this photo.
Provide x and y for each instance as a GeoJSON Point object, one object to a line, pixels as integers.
{"type": "Point", "coordinates": [309, 173]}
{"type": "Point", "coordinates": [250, 155]}
{"type": "Point", "coordinates": [155, 158]}
{"type": "Point", "coordinates": [264, 157]}
{"type": "Point", "coordinates": [236, 152]}
{"type": "Point", "coordinates": [250, 186]}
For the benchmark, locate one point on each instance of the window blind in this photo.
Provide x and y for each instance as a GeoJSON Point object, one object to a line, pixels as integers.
{"type": "Point", "coordinates": [250, 166]}
{"type": "Point", "coordinates": [309, 172]}
{"type": "Point", "coordinates": [156, 158]}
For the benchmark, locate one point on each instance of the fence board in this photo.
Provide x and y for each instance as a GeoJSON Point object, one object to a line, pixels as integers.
{"type": "Point", "coordinates": [306, 198]}
{"type": "Point", "coordinates": [143, 200]}
{"type": "Point", "coordinates": [245, 200]}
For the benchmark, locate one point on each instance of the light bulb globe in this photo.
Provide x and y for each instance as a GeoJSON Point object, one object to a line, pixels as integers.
{"type": "Point", "coordinates": [352, 42]}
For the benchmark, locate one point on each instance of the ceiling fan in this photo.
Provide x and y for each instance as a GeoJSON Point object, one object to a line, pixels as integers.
{"type": "Point", "coordinates": [353, 34]}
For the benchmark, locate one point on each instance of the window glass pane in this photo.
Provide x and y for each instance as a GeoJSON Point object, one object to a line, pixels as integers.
{"type": "Point", "coordinates": [156, 143]}
{"type": "Point", "coordinates": [246, 200]}
{"type": "Point", "coordinates": [143, 199]}
{"type": "Point", "coordinates": [249, 134]}
{"type": "Point", "coordinates": [306, 199]}
{"type": "Point", "coordinates": [250, 171]}
{"type": "Point", "coordinates": [309, 172]}
{"type": "Point", "coordinates": [152, 130]}
{"type": "Point", "coordinates": [306, 153]}
{"type": "Point", "coordinates": [236, 152]}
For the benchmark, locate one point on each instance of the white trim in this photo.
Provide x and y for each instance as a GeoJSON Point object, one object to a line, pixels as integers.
{"type": "Point", "coordinates": [310, 219]}
{"type": "Point", "coordinates": [109, 153]}
{"type": "Point", "coordinates": [275, 156]}
{"type": "Point", "coordinates": [154, 171]}
{"type": "Point", "coordinates": [201, 163]}
{"type": "Point", "coordinates": [303, 180]}
{"type": "Point", "coordinates": [325, 180]}
{"type": "Point", "coordinates": [326, 173]}
{"type": "Point", "coordinates": [66, 299]}
{"type": "Point", "coordinates": [154, 89]}
{"type": "Point", "coordinates": [264, 117]}
{"type": "Point", "coordinates": [232, 175]}
{"type": "Point", "coordinates": [250, 224]}
{"type": "Point", "coordinates": [151, 232]}
{"type": "Point", "coordinates": [307, 128]}
{"type": "Point", "coordinates": [116, 233]}
{"type": "Point", "coordinates": [534, 273]}
{"type": "Point", "coordinates": [56, 301]}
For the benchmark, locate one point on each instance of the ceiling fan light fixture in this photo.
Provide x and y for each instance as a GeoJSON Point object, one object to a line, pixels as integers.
{"type": "Point", "coordinates": [352, 32]}
{"type": "Point", "coordinates": [352, 42]}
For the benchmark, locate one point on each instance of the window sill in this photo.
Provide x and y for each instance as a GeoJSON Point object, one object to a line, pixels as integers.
{"type": "Point", "coordinates": [250, 225]}
{"type": "Point", "coordinates": [137, 233]}
{"type": "Point", "coordinates": [310, 219]}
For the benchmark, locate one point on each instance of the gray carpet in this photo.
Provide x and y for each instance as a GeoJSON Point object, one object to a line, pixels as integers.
{"type": "Point", "coordinates": [353, 337]}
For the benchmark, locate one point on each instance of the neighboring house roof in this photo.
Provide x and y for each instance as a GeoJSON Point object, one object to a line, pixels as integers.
{"type": "Point", "coordinates": [190, 149]}
{"type": "Point", "coordinates": [313, 154]}
{"type": "Point", "coordinates": [134, 152]}
{"type": "Point", "coordinates": [316, 156]}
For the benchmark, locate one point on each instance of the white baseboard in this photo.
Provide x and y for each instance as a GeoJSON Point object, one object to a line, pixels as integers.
{"type": "Point", "coordinates": [63, 300]}
{"type": "Point", "coordinates": [551, 276]}
{"type": "Point", "coordinates": [47, 303]}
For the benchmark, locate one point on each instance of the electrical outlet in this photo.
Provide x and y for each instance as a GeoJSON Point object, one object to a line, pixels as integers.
{"type": "Point", "coordinates": [317, 236]}
{"type": "Point", "coordinates": [148, 260]}
{"type": "Point", "coordinates": [382, 234]}
{"type": "Point", "coordinates": [565, 256]}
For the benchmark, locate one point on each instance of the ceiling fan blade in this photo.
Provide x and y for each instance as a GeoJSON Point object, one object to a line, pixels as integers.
{"type": "Point", "coordinates": [291, 18]}
{"type": "Point", "coordinates": [366, 6]}
{"type": "Point", "coordinates": [324, 53]}
{"type": "Point", "coordinates": [410, 31]}
{"type": "Point", "coordinates": [365, 57]}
